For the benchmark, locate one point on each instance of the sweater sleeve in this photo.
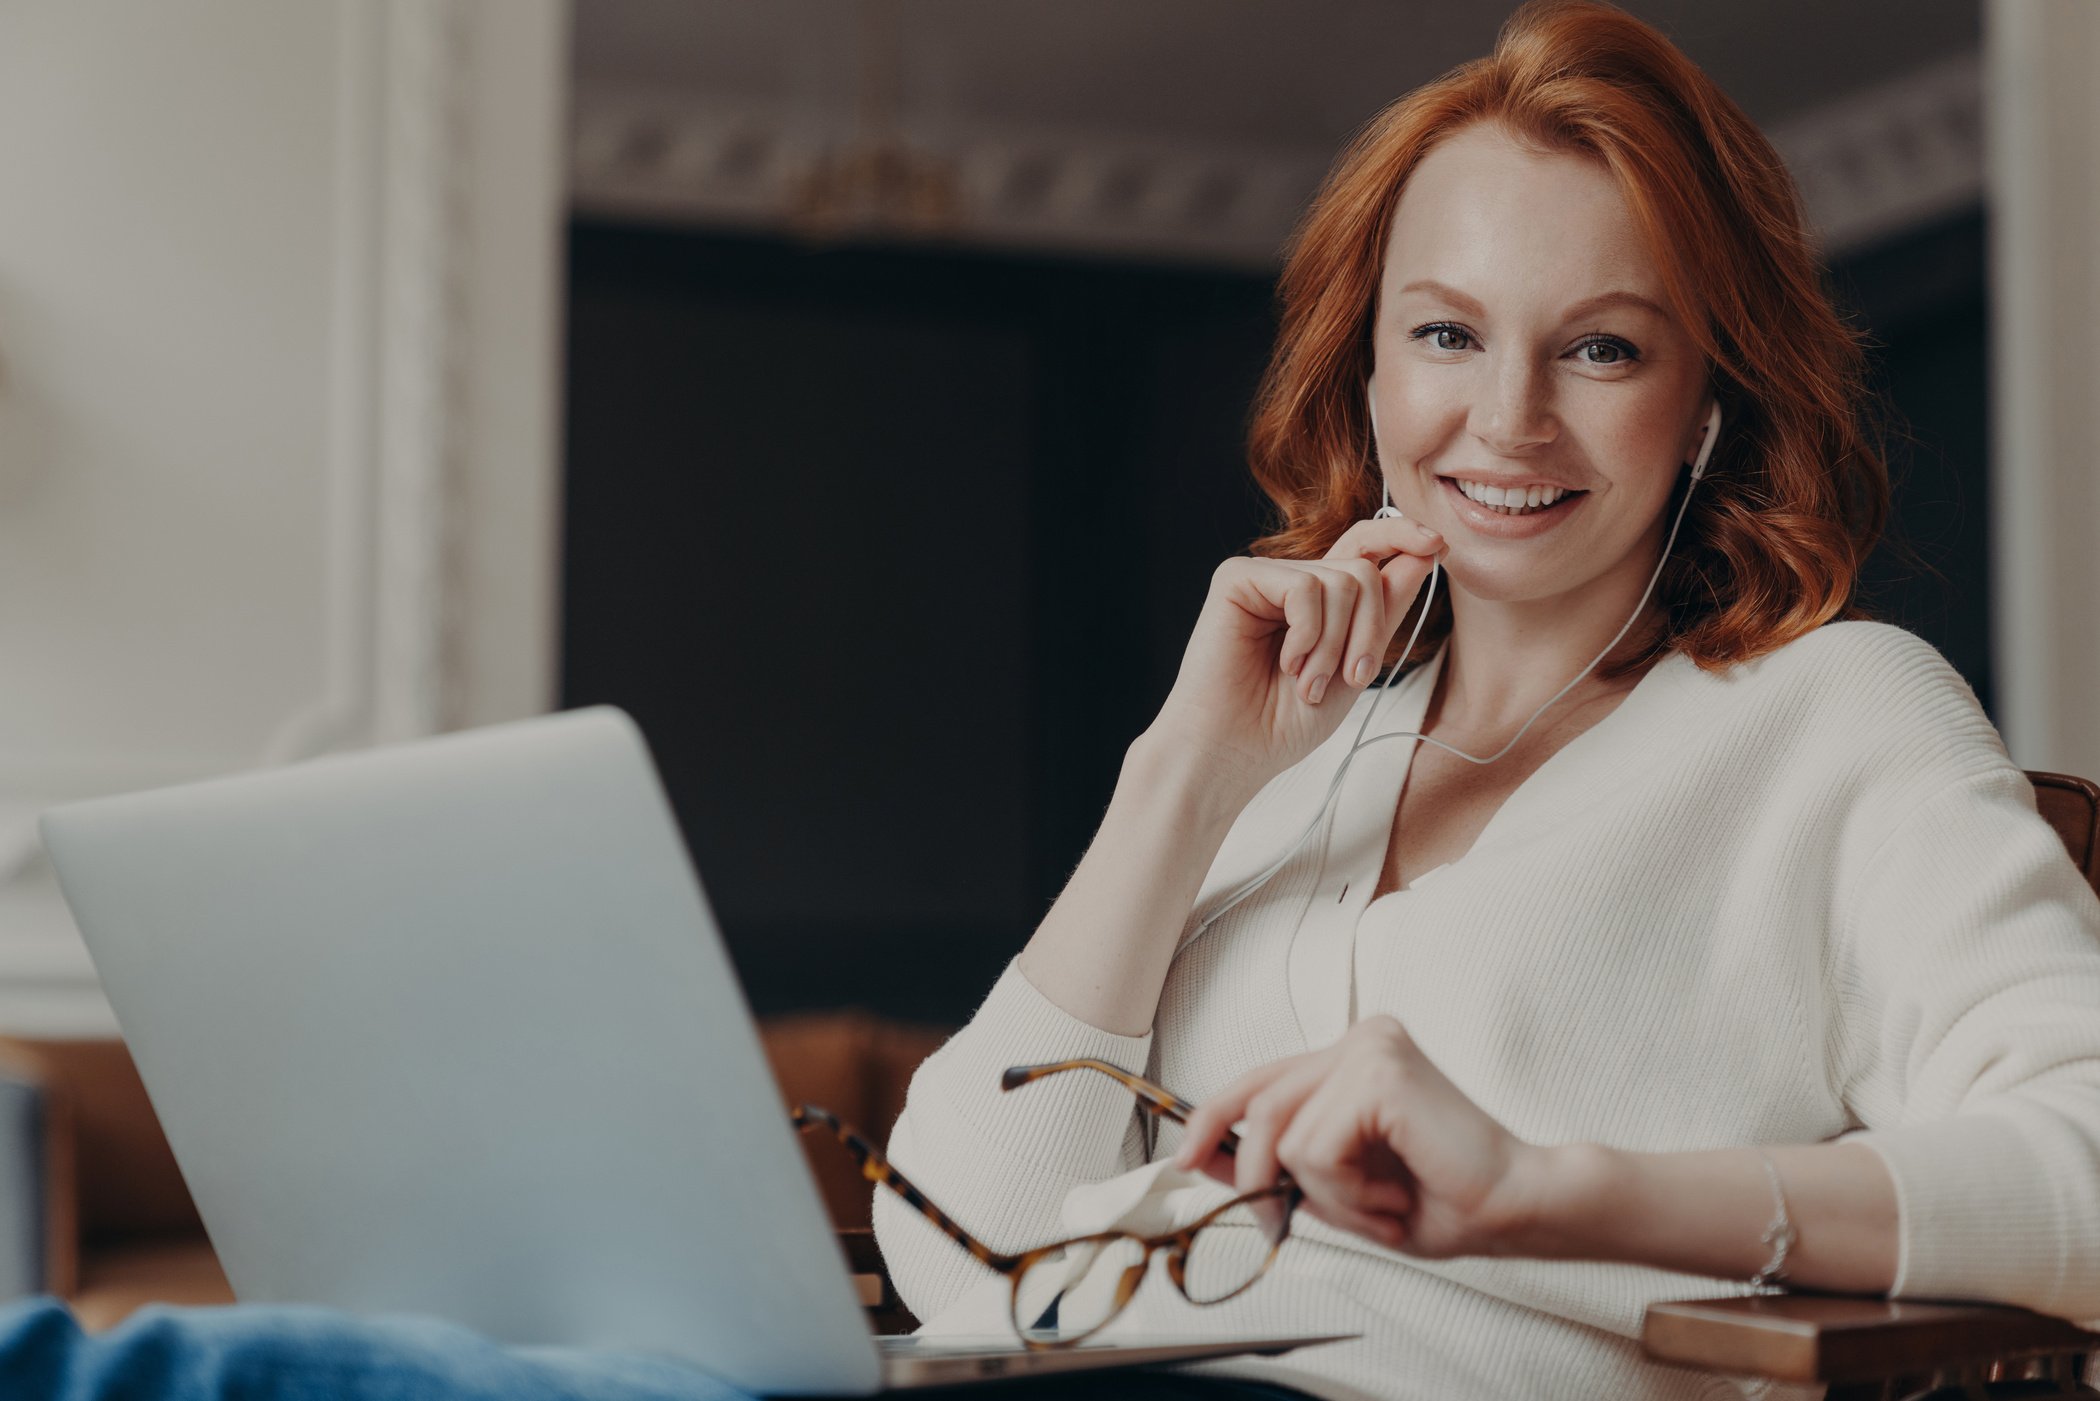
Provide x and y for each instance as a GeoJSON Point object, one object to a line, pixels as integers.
{"type": "Point", "coordinates": [1969, 985]}
{"type": "Point", "coordinates": [1000, 1162]}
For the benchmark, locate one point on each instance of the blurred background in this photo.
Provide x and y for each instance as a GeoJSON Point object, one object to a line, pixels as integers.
{"type": "Point", "coordinates": [854, 390]}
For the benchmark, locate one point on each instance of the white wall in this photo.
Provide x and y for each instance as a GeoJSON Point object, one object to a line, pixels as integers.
{"type": "Point", "coordinates": [279, 289]}
{"type": "Point", "coordinates": [2044, 175]}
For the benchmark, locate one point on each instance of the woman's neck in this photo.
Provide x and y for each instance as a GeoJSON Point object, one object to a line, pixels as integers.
{"type": "Point", "coordinates": [1505, 660]}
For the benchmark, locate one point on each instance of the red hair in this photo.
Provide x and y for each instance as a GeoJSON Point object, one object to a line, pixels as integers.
{"type": "Point", "coordinates": [1797, 491]}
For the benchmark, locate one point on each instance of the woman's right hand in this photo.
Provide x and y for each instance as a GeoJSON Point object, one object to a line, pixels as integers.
{"type": "Point", "coordinates": [1282, 647]}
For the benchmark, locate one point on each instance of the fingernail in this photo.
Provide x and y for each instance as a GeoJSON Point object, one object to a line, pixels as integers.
{"type": "Point", "coordinates": [1319, 689]}
{"type": "Point", "coordinates": [1361, 672]}
{"type": "Point", "coordinates": [1293, 666]}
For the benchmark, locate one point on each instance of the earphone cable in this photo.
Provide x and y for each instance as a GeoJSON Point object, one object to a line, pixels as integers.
{"type": "Point", "coordinates": [1359, 744]}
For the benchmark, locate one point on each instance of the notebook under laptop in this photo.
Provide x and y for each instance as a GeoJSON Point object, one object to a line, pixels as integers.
{"type": "Point", "coordinates": [448, 1027]}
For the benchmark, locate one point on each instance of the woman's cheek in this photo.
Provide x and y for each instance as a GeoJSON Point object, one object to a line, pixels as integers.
{"type": "Point", "coordinates": [1422, 426]}
{"type": "Point", "coordinates": [1428, 403]}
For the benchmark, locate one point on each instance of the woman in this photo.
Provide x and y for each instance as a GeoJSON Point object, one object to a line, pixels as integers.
{"type": "Point", "coordinates": [1749, 961]}
{"type": "Point", "coordinates": [1544, 1038]}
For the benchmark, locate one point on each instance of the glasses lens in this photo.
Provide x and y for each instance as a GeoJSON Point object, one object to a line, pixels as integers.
{"type": "Point", "coordinates": [1231, 1251]}
{"type": "Point", "coordinates": [1065, 1296]}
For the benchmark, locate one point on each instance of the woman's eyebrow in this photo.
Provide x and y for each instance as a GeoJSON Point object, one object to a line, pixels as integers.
{"type": "Point", "coordinates": [1585, 307]}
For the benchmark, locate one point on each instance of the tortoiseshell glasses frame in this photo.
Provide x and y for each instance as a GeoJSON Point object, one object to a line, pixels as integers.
{"type": "Point", "coordinates": [1278, 1200]}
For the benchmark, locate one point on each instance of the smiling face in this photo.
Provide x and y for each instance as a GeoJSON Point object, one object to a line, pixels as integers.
{"type": "Point", "coordinates": [1507, 358]}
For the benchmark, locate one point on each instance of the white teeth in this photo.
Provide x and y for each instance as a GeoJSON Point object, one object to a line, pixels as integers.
{"type": "Point", "coordinates": [1514, 498]}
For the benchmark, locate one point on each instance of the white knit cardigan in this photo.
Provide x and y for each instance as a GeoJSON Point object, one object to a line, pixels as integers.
{"type": "Point", "coordinates": [1806, 897]}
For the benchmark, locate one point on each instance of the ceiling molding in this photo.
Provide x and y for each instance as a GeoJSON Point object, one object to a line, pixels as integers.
{"type": "Point", "coordinates": [669, 158]}
{"type": "Point", "coordinates": [1895, 156]}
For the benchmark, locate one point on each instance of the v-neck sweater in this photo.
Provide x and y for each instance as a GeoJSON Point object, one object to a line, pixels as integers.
{"type": "Point", "coordinates": [1801, 897]}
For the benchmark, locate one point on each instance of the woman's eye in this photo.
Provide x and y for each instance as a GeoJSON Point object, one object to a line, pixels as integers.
{"type": "Point", "coordinates": [1620, 354]}
{"type": "Point", "coordinates": [1438, 332]}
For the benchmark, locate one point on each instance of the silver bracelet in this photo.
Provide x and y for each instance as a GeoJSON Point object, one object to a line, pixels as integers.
{"type": "Point", "coordinates": [1780, 1234]}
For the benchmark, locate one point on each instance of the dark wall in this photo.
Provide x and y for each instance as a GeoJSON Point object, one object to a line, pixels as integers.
{"type": "Point", "coordinates": [892, 553]}
{"type": "Point", "coordinates": [1923, 298]}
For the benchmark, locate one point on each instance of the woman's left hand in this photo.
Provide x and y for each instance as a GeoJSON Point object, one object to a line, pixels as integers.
{"type": "Point", "coordinates": [1381, 1143]}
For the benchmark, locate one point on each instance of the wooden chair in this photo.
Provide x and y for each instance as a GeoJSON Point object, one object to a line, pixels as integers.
{"type": "Point", "coordinates": [1882, 1350]}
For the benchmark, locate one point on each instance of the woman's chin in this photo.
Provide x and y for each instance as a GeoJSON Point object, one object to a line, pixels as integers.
{"type": "Point", "coordinates": [1568, 590]}
{"type": "Point", "coordinates": [1501, 581]}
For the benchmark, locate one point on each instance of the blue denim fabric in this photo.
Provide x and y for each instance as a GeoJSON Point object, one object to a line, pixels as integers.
{"type": "Point", "coordinates": [272, 1353]}
{"type": "Point", "coordinates": [276, 1353]}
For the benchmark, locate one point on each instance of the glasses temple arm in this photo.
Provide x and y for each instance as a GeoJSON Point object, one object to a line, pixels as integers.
{"type": "Point", "coordinates": [1151, 1097]}
{"type": "Point", "coordinates": [878, 1169]}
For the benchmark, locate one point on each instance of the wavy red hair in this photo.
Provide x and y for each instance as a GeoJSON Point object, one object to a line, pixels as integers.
{"type": "Point", "coordinates": [1797, 491]}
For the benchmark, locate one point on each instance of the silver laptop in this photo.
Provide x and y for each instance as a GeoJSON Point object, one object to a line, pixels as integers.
{"type": "Point", "coordinates": [448, 1028]}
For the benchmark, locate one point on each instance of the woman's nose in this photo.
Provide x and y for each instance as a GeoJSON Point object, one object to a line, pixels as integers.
{"type": "Point", "coordinates": [1511, 415]}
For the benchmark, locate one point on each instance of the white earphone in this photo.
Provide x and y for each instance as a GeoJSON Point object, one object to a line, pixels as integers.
{"type": "Point", "coordinates": [1387, 511]}
{"type": "Point", "coordinates": [1709, 435]}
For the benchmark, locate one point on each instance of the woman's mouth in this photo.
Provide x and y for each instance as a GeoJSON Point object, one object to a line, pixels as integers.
{"type": "Point", "coordinates": [1518, 511]}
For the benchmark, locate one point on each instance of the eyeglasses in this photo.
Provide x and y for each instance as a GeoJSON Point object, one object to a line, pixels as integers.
{"type": "Point", "coordinates": [1066, 1292]}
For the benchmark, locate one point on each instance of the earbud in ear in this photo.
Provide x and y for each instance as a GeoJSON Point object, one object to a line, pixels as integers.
{"type": "Point", "coordinates": [1706, 441]}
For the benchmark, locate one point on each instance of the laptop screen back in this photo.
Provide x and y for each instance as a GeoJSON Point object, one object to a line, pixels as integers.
{"type": "Point", "coordinates": [449, 1028]}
